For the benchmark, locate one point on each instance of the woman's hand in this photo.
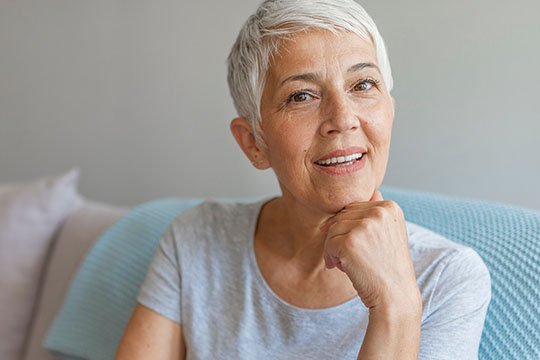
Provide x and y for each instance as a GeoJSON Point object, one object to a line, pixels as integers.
{"type": "Point", "coordinates": [369, 242]}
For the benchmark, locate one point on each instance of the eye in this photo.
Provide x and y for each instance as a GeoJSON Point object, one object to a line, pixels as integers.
{"type": "Point", "coordinates": [365, 84]}
{"type": "Point", "coordinates": [299, 97]}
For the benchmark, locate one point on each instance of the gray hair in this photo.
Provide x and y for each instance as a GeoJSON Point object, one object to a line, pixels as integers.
{"type": "Point", "coordinates": [276, 20]}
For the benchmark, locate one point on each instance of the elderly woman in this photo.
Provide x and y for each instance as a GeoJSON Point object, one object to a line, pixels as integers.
{"type": "Point", "coordinates": [329, 269]}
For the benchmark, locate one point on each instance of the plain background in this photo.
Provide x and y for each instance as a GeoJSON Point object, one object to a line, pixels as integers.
{"type": "Point", "coordinates": [134, 93]}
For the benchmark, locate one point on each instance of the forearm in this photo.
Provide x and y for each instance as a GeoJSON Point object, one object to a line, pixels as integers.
{"type": "Point", "coordinates": [392, 334]}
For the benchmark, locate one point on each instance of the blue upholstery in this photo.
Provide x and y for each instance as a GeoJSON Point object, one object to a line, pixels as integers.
{"type": "Point", "coordinates": [103, 293]}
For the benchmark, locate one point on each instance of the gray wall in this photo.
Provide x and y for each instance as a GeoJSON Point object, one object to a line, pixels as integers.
{"type": "Point", "coordinates": [134, 94]}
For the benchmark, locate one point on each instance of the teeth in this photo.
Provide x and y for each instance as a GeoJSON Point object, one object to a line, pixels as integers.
{"type": "Point", "coordinates": [346, 164]}
{"type": "Point", "coordinates": [341, 159]}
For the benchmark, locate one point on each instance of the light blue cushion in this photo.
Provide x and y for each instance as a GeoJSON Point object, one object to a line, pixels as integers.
{"type": "Point", "coordinates": [103, 293]}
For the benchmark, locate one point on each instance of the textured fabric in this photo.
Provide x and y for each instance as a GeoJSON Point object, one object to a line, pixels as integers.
{"type": "Point", "coordinates": [103, 294]}
{"type": "Point", "coordinates": [204, 275]}
{"type": "Point", "coordinates": [508, 240]}
{"type": "Point", "coordinates": [80, 230]}
{"type": "Point", "coordinates": [30, 214]}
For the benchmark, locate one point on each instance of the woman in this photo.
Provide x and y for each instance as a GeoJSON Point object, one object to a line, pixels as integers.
{"type": "Point", "coordinates": [329, 269]}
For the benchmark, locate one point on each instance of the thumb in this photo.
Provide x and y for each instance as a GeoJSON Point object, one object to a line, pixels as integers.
{"type": "Point", "coordinates": [377, 196]}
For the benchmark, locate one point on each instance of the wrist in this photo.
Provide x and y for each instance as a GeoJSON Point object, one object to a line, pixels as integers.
{"type": "Point", "coordinates": [393, 332]}
{"type": "Point", "coordinates": [398, 310]}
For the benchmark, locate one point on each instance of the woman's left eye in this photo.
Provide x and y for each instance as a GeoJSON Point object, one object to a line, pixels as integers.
{"type": "Point", "coordinates": [364, 85]}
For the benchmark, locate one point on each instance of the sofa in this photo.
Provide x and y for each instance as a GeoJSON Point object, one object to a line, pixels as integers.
{"type": "Point", "coordinates": [93, 258]}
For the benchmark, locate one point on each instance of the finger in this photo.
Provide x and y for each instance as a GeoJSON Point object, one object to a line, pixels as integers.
{"type": "Point", "coordinates": [333, 252]}
{"type": "Point", "coordinates": [355, 212]}
{"type": "Point", "coordinates": [328, 261]}
{"type": "Point", "coordinates": [327, 224]}
{"type": "Point", "coordinates": [377, 196]}
{"type": "Point", "coordinates": [332, 261]}
{"type": "Point", "coordinates": [341, 227]}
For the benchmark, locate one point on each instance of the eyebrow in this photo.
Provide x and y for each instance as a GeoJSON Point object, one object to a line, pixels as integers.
{"type": "Point", "coordinates": [361, 66]}
{"type": "Point", "coordinates": [313, 76]}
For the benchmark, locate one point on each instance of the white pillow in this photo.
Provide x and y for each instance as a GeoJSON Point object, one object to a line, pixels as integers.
{"type": "Point", "coordinates": [30, 214]}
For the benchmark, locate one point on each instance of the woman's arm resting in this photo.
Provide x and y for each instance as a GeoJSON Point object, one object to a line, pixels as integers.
{"type": "Point", "coordinates": [392, 334]}
{"type": "Point", "coordinates": [454, 321]}
{"type": "Point", "coordinates": [149, 335]}
{"type": "Point", "coordinates": [369, 242]}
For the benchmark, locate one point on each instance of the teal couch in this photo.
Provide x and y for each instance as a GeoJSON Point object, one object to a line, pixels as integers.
{"type": "Point", "coordinates": [103, 293]}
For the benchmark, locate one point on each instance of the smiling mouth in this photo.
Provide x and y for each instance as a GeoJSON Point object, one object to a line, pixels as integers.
{"type": "Point", "coordinates": [341, 161]}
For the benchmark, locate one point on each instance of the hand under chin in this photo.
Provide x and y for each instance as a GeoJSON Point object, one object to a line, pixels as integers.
{"type": "Point", "coordinates": [338, 200]}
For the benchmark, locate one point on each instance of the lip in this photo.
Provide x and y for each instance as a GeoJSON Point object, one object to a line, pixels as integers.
{"type": "Point", "coordinates": [345, 152]}
{"type": "Point", "coordinates": [344, 170]}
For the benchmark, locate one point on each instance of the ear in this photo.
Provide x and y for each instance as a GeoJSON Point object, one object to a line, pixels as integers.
{"type": "Point", "coordinates": [242, 132]}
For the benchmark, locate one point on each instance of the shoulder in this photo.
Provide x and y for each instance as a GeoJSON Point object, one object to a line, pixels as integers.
{"type": "Point", "coordinates": [208, 213]}
{"type": "Point", "coordinates": [446, 270]}
{"type": "Point", "coordinates": [214, 220]}
{"type": "Point", "coordinates": [428, 247]}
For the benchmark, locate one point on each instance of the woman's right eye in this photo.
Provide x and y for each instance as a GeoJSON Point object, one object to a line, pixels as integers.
{"type": "Point", "coordinates": [298, 97]}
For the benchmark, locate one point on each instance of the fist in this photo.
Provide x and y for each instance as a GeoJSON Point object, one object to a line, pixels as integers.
{"type": "Point", "coordinates": [368, 241]}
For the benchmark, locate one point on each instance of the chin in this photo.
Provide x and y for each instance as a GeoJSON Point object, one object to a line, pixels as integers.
{"type": "Point", "coordinates": [336, 201]}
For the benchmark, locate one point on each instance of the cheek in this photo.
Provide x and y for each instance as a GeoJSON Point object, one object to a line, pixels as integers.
{"type": "Point", "coordinates": [378, 125]}
{"type": "Point", "coordinates": [288, 142]}
{"type": "Point", "coordinates": [281, 152]}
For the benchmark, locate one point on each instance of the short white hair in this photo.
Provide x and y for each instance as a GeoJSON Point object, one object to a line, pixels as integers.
{"type": "Point", "coordinates": [276, 20]}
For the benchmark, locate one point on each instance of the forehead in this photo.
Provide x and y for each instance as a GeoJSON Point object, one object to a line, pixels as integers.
{"type": "Point", "coordinates": [318, 51]}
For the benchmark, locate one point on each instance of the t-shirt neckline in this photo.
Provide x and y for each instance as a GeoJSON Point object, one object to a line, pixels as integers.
{"type": "Point", "coordinates": [267, 290]}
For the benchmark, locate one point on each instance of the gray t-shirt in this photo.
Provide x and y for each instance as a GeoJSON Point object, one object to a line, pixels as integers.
{"type": "Point", "coordinates": [204, 275]}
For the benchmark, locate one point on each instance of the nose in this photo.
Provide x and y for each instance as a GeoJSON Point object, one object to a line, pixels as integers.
{"type": "Point", "coordinates": [339, 116]}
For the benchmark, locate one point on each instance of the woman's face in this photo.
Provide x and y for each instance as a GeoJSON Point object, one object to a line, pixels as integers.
{"type": "Point", "coordinates": [325, 98]}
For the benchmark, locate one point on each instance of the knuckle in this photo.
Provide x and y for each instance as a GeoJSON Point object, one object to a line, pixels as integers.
{"type": "Point", "coordinates": [389, 204]}
{"type": "Point", "coordinates": [379, 212]}
{"type": "Point", "coordinates": [368, 223]}
{"type": "Point", "coordinates": [393, 207]}
{"type": "Point", "coordinates": [397, 209]}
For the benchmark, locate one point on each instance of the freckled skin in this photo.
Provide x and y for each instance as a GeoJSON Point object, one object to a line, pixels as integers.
{"type": "Point", "coordinates": [336, 99]}
{"type": "Point", "coordinates": [335, 117]}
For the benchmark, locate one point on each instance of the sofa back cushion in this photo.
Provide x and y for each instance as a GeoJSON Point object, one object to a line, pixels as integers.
{"type": "Point", "coordinates": [80, 230]}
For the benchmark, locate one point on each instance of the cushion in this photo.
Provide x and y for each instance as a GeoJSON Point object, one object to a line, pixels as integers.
{"type": "Point", "coordinates": [30, 214]}
{"type": "Point", "coordinates": [507, 238]}
{"type": "Point", "coordinates": [80, 230]}
{"type": "Point", "coordinates": [103, 294]}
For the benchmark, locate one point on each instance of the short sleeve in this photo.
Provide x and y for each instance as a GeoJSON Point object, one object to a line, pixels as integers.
{"type": "Point", "coordinates": [456, 312]}
{"type": "Point", "coordinates": [161, 289]}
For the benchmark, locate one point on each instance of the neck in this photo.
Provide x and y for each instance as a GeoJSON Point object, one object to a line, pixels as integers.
{"type": "Point", "coordinates": [293, 230]}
